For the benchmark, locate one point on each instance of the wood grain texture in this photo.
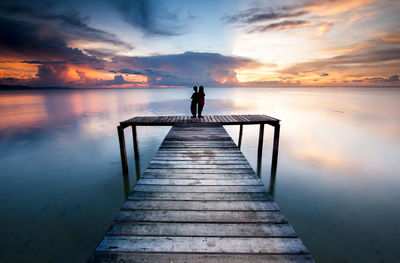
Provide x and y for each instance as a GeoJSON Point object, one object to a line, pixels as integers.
{"type": "Point", "coordinates": [107, 257]}
{"type": "Point", "coordinates": [208, 119]}
{"type": "Point", "coordinates": [199, 200]}
{"type": "Point", "coordinates": [201, 205]}
{"type": "Point", "coordinates": [201, 229]}
{"type": "Point", "coordinates": [202, 244]}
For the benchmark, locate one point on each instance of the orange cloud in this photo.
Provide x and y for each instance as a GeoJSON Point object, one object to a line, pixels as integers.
{"type": "Point", "coordinates": [12, 69]}
{"type": "Point", "coordinates": [324, 8]}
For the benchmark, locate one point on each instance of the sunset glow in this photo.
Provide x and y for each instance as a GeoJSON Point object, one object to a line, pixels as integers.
{"type": "Point", "coordinates": [106, 44]}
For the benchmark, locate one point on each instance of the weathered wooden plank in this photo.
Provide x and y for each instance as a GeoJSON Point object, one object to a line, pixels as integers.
{"type": "Point", "coordinates": [202, 244]}
{"type": "Point", "coordinates": [199, 188]}
{"type": "Point", "coordinates": [199, 166]}
{"type": "Point", "coordinates": [231, 119]}
{"type": "Point", "coordinates": [198, 143]}
{"type": "Point", "coordinates": [201, 216]}
{"type": "Point", "coordinates": [200, 182]}
{"type": "Point", "coordinates": [193, 159]}
{"type": "Point", "coordinates": [204, 138]}
{"type": "Point", "coordinates": [107, 257]}
{"type": "Point", "coordinates": [198, 196]}
{"type": "Point", "coordinates": [201, 205]}
{"type": "Point", "coordinates": [198, 132]}
{"type": "Point", "coordinates": [198, 152]}
{"type": "Point", "coordinates": [198, 157]}
{"type": "Point", "coordinates": [200, 171]}
{"type": "Point", "coordinates": [174, 157]}
{"type": "Point", "coordinates": [210, 152]}
{"type": "Point", "coordinates": [211, 161]}
{"type": "Point", "coordinates": [225, 119]}
{"type": "Point", "coordinates": [198, 147]}
{"type": "Point", "coordinates": [199, 229]}
{"type": "Point", "coordinates": [194, 132]}
{"type": "Point", "coordinates": [260, 196]}
{"type": "Point", "coordinates": [154, 175]}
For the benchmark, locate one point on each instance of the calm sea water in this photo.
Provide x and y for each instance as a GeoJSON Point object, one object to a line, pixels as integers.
{"type": "Point", "coordinates": [338, 178]}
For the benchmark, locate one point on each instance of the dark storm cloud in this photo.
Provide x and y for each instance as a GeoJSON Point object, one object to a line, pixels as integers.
{"type": "Point", "coordinates": [130, 71]}
{"type": "Point", "coordinates": [152, 17]}
{"type": "Point", "coordinates": [185, 69]}
{"type": "Point", "coordinates": [279, 26]}
{"type": "Point", "coordinates": [26, 40]}
{"type": "Point", "coordinates": [51, 72]}
{"type": "Point", "coordinates": [118, 80]}
{"type": "Point", "coordinates": [394, 78]}
{"type": "Point", "coordinates": [43, 62]}
{"type": "Point", "coordinates": [69, 23]}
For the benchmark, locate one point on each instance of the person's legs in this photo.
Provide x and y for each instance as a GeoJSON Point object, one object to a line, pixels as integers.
{"type": "Point", "coordinates": [193, 109]}
{"type": "Point", "coordinates": [200, 110]}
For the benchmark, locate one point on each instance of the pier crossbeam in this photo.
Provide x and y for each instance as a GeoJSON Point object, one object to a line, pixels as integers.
{"type": "Point", "coordinates": [211, 119]}
{"type": "Point", "coordinates": [199, 200]}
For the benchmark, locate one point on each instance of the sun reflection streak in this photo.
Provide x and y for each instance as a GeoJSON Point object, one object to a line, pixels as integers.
{"type": "Point", "coordinates": [21, 111]}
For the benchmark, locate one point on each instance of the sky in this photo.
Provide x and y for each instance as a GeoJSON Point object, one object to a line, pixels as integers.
{"type": "Point", "coordinates": [180, 43]}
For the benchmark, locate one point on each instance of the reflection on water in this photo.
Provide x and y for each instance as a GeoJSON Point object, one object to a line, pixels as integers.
{"type": "Point", "coordinates": [337, 179]}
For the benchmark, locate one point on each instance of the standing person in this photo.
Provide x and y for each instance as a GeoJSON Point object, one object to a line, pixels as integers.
{"type": "Point", "coordinates": [201, 99]}
{"type": "Point", "coordinates": [195, 100]}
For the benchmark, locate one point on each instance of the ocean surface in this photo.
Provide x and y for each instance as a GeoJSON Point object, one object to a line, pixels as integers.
{"type": "Point", "coordinates": [338, 177]}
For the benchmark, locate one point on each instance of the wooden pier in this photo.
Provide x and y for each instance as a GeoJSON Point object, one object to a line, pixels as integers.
{"type": "Point", "coordinates": [199, 201]}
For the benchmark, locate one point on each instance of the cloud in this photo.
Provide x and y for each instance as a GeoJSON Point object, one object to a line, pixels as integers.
{"type": "Point", "coordinates": [51, 75]}
{"type": "Point", "coordinates": [185, 69]}
{"type": "Point", "coordinates": [391, 79]}
{"type": "Point", "coordinates": [43, 62]}
{"type": "Point", "coordinates": [394, 78]}
{"type": "Point", "coordinates": [311, 12]}
{"type": "Point", "coordinates": [68, 23]}
{"type": "Point", "coordinates": [118, 80]}
{"type": "Point", "coordinates": [286, 24]}
{"type": "Point", "coordinates": [29, 41]}
{"type": "Point", "coordinates": [370, 56]}
{"type": "Point", "coordinates": [130, 71]}
{"type": "Point", "coordinates": [255, 15]}
{"type": "Point", "coordinates": [254, 19]}
{"type": "Point", "coordinates": [152, 17]}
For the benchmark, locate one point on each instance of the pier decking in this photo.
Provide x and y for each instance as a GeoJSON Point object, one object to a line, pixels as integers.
{"type": "Point", "coordinates": [199, 201]}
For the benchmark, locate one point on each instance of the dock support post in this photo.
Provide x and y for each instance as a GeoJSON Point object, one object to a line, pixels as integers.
{"type": "Point", "coordinates": [135, 143]}
{"type": "Point", "coordinates": [275, 148]}
{"type": "Point", "coordinates": [122, 149]}
{"type": "Point", "coordinates": [260, 141]}
{"type": "Point", "coordinates": [260, 149]}
{"type": "Point", "coordinates": [240, 136]}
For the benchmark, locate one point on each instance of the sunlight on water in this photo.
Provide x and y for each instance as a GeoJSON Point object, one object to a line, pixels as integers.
{"type": "Point", "coordinates": [337, 179]}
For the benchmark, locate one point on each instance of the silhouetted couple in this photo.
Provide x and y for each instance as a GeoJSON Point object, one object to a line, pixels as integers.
{"type": "Point", "coordinates": [198, 101]}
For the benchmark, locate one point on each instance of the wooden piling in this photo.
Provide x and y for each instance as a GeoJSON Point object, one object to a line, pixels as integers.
{"type": "Point", "coordinates": [260, 141]}
{"type": "Point", "coordinates": [240, 136]}
{"type": "Point", "coordinates": [135, 143]}
{"type": "Point", "coordinates": [275, 149]}
{"type": "Point", "coordinates": [122, 148]}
